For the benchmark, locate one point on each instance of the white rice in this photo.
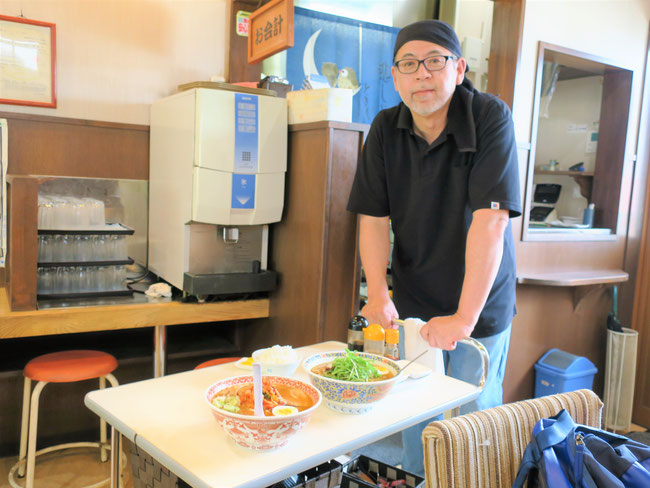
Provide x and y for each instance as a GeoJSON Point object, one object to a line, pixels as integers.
{"type": "Point", "coordinates": [276, 355]}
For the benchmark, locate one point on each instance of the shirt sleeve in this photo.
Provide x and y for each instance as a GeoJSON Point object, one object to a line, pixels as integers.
{"type": "Point", "coordinates": [369, 194]}
{"type": "Point", "coordinates": [494, 179]}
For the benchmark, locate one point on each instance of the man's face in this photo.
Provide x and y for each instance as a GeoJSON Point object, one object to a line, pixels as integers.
{"type": "Point", "coordinates": [426, 92]}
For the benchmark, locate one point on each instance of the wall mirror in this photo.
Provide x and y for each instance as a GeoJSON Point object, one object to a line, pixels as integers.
{"type": "Point", "coordinates": [575, 167]}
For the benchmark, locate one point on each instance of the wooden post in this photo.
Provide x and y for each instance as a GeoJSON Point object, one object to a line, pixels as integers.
{"type": "Point", "coordinates": [238, 67]}
{"type": "Point", "coordinates": [23, 242]}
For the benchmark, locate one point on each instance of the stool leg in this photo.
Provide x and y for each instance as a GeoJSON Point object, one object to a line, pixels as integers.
{"type": "Point", "coordinates": [33, 426]}
{"type": "Point", "coordinates": [115, 457]}
{"type": "Point", "coordinates": [24, 426]}
{"type": "Point", "coordinates": [102, 423]}
{"type": "Point", "coordinates": [102, 426]}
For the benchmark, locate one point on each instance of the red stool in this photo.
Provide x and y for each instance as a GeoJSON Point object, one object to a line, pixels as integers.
{"type": "Point", "coordinates": [58, 367]}
{"type": "Point", "coordinates": [214, 362]}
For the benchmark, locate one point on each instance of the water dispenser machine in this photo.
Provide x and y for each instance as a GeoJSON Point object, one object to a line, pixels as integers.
{"type": "Point", "coordinates": [218, 159]}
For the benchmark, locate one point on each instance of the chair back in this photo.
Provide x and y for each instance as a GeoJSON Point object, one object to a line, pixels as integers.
{"type": "Point", "coordinates": [483, 449]}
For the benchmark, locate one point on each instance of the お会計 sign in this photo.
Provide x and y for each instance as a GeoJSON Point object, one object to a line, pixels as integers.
{"type": "Point", "coordinates": [270, 30]}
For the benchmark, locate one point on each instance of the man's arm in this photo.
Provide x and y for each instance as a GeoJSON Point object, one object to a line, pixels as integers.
{"type": "Point", "coordinates": [374, 246]}
{"type": "Point", "coordinates": [483, 252]}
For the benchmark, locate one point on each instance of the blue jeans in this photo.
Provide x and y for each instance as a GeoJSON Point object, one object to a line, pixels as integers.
{"type": "Point", "coordinates": [463, 363]}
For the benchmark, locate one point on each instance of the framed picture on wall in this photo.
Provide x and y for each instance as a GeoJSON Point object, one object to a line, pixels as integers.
{"type": "Point", "coordinates": [27, 62]}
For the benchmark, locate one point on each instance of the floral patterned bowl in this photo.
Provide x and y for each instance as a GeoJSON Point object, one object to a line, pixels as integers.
{"type": "Point", "coordinates": [350, 396]}
{"type": "Point", "coordinates": [261, 433]}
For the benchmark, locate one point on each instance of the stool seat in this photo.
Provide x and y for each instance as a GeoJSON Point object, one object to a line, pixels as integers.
{"type": "Point", "coordinates": [214, 362]}
{"type": "Point", "coordinates": [60, 367]}
{"type": "Point", "coordinates": [70, 366]}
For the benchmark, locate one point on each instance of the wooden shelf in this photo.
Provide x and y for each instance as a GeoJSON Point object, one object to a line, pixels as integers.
{"type": "Point", "coordinates": [70, 320]}
{"type": "Point", "coordinates": [573, 278]}
{"type": "Point", "coordinates": [584, 283]}
{"type": "Point", "coordinates": [564, 173]}
{"type": "Point", "coordinates": [584, 179]}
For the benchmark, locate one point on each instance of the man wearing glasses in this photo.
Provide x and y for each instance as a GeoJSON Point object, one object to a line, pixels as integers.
{"type": "Point", "coordinates": [441, 168]}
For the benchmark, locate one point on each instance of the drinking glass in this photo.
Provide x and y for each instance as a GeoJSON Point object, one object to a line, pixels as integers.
{"type": "Point", "coordinates": [103, 282]}
{"type": "Point", "coordinates": [119, 248]}
{"type": "Point", "coordinates": [41, 285]}
{"type": "Point", "coordinates": [97, 216]}
{"type": "Point", "coordinates": [41, 241]}
{"type": "Point", "coordinates": [121, 277]}
{"type": "Point", "coordinates": [99, 248]}
{"type": "Point", "coordinates": [59, 284]}
{"type": "Point", "coordinates": [45, 248]}
{"type": "Point", "coordinates": [45, 212]}
{"type": "Point", "coordinates": [55, 248]}
{"type": "Point", "coordinates": [59, 215]}
{"type": "Point", "coordinates": [67, 248]}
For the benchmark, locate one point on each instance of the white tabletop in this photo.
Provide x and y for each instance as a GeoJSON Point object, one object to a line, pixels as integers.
{"type": "Point", "coordinates": [169, 419]}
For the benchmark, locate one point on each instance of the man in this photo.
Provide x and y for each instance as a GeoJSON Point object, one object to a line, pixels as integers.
{"type": "Point", "coordinates": [441, 168]}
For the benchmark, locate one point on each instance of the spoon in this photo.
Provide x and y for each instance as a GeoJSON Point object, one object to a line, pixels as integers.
{"type": "Point", "coordinates": [414, 359]}
{"type": "Point", "coordinates": [258, 410]}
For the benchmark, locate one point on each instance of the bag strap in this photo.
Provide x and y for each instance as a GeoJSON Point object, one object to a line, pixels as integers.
{"type": "Point", "coordinates": [556, 431]}
{"type": "Point", "coordinates": [528, 463]}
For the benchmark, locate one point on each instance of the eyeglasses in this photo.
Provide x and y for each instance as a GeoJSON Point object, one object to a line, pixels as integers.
{"type": "Point", "coordinates": [433, 63]}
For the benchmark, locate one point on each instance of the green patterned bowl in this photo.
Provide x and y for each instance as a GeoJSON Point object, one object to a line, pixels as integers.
{"type": "Point", "coordinates": [352, 397]}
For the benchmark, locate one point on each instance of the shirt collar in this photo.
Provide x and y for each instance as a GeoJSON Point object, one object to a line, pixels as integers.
{"type": "Point", "coordinates": [460, 119]}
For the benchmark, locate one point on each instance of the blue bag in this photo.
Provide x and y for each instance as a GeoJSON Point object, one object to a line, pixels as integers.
{"type": "Point", "coordinates": [563, 454]}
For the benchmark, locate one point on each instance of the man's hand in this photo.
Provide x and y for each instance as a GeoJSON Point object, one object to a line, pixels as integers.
{"type": "Point", "coordinates": [445, 332]}
{"type": "Point", "coordinates": [380, 312]}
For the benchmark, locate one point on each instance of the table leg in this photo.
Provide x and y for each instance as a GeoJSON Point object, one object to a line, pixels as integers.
{"type": "Point", "coordinates": [159, 351]}
{"type": "Point", "coordinates": [115, 457]}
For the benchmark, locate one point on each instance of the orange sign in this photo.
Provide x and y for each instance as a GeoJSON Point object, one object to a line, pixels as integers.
{"type": "Point", "coordinates": [270, 30]}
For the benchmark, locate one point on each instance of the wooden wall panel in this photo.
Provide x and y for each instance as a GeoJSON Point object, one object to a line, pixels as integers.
{"type": "Point", "coordinates": [505, 48]}
{"type": "Point", "coordinates": [314, 247]}
{"type": "Point", "coordinates": [641, 295]}
{"type": "Point", "coordinates": [55, 146]}
{"type": "Point", "coordinates": [238, 67]}
{"type": "Point", "coordinates": [22, 209]}
{"type": "Point", "coordinates": [545, 319]}
{"type": "Point", "coordinates": [610, 157]}
{"type": "Point", "coordinates": [341, 265]}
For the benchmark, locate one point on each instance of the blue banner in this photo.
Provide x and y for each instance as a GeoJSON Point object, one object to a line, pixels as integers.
{"type": "Point", "coordinates": [345, 53]}
{"type": "Point", "coordinates": [246, 128]}
{"type": "Point", "coordinates": [243, 191]}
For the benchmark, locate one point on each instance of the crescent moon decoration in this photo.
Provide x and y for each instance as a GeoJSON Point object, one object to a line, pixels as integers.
{"type": "Point", "coordinates": [308, 63]}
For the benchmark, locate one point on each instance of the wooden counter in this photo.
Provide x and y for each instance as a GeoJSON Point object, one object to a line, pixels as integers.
{"type": "Point", "coordinates": [114, 317]}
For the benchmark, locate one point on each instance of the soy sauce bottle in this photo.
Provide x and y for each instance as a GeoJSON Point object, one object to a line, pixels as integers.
{"type": "Point", "coordinates": [355, 332]}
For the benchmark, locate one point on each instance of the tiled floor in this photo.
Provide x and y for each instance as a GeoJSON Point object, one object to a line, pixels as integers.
{"type": "Point", "coordinates": [73, 468]}
{"type": "Point", "coordinates": [81, 467]}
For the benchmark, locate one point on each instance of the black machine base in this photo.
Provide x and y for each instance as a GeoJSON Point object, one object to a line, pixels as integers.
{"type": "Point", "coordinates": [229, 283]}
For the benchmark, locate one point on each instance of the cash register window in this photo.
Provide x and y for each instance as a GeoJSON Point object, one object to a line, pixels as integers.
{"type": "Point", "coordinates": [580, 116]}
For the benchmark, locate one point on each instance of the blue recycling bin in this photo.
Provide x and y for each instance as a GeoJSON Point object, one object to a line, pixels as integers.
{"type": "Point", "coordinates": [558, 371]}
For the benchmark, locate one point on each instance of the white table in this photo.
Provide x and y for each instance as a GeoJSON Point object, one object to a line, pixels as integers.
{"type": "Point", "coordinates": [168, 418]}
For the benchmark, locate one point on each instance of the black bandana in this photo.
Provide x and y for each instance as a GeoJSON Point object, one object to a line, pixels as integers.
{"type": "Point", "coordinates": [435, 31]}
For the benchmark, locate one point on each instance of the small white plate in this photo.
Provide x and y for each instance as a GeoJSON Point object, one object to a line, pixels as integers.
{"type": "Point", "coordinates": [415, 371]}
{"type": "Point", "coordinates": [245, 363]}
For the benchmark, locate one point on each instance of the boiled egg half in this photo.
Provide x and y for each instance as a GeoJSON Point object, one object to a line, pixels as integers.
{"type": "Point", "coordinates": [284, 410]}
{"type": "Point", "coordinates": [383, 370]}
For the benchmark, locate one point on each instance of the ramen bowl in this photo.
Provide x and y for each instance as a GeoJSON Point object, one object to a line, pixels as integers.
{"type": "Point", "coordinates": [262, 432]}
{"type": "Point", "coordinates": [353, 397]}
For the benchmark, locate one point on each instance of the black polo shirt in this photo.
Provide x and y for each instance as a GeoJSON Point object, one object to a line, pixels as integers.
{"type": "Point", "coordinates": [430, 191]}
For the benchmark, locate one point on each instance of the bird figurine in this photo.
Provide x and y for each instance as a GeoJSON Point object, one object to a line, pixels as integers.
{"type": "Point", "coordinates": [347, 78]}
{"type": "Point", "coordinates": [331, 71]}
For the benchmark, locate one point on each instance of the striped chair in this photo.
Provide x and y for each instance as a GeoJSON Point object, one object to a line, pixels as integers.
{"type": "Point", "coordinates": [483, 449]}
